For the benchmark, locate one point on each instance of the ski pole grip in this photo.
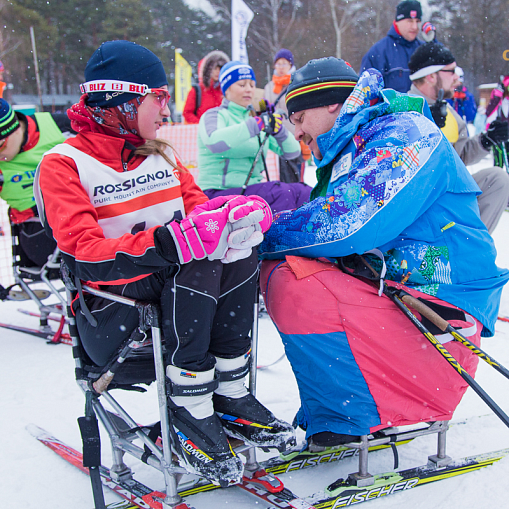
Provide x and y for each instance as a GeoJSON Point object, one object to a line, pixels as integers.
{"type": "Point", "coordinates": [424, 310]}
{"type": "Point", "coordinates": [102, 383]}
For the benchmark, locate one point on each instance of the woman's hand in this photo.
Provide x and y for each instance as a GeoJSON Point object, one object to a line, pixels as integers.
{"type": "Point", "coordinates": [227, 233]}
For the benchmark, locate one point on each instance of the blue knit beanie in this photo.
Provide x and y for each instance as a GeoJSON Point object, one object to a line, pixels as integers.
{"type": "Point", "coordinates": [8, 119]}
{"type": "Point", "coordinates": [123, 61]}
{"type": "Point", "coordinates": [284, 53]}
{"type": "Point", "coordinates": [233, 72]}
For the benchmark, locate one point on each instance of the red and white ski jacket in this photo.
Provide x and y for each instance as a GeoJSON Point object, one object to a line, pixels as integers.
{"type": "Point", "coordinates": [114, 257]}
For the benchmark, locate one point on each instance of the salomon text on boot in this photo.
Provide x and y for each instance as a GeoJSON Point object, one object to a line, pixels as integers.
{"type": "Point", "coordinates": [243, 416]}
{"type": "Point", "coordinates": [199, 439]}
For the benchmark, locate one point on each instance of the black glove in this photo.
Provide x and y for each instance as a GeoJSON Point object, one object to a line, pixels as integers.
{"type": "Point", "coordinates": [498, 132]}
{"type": "Point", "coordinates": [439, 112]}
{"type": "Point", "coordinates": [273, 122]}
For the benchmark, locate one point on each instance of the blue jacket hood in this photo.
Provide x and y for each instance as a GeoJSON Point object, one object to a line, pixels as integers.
{"type": "Point", "coordinates": [367, 101]}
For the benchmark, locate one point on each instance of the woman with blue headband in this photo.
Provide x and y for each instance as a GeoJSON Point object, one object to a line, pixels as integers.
{"type": "Point", "coordinates": [229, 139]}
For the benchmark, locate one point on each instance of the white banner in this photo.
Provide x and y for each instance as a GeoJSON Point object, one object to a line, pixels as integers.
{"type": "Point", "coordinates": [241, 17]}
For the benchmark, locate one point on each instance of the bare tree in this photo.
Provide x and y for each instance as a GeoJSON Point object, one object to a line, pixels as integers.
{"type": "Point", "coordinates": [266, 35]}
{"type": "Point", "coordinates": [7, 43]}
{"type": "Point", "coordinates": [343, 14]}
{"type": "Point", "coordinates": [270, 17]}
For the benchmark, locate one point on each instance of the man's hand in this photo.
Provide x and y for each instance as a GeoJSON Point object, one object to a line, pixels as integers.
{"type": "Point", "coordinates": [497, 133]}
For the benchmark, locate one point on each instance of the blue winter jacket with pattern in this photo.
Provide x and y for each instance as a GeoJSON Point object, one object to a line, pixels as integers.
{"type": "Point", "coordinates": [390, 180]}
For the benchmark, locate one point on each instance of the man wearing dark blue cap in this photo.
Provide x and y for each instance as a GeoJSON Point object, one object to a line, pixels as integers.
{"type": "Point", "coordinates": [390, 55]}
{"type": "Point", "coordinates": [391, 188]}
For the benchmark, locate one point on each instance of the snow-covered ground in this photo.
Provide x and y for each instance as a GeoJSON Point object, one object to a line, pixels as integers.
{"type": "Point", "coordinates": [37, 386]}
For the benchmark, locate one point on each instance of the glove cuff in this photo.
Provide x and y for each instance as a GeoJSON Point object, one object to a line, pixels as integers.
{"type": "Point", "coordinates": [184, 252]}
{"type": "Point", "coordinates": [165, 244]}
{"type": "Point", "coordinates": [260, 124]}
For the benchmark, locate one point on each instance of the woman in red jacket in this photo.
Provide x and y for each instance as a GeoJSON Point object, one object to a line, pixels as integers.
{"type": "Point", "coordinates": [127, 216]}
{"type": "Point", "coordinates": [207, 94]}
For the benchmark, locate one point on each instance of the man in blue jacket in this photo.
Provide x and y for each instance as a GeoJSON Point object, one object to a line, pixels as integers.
{"type": "Point", "coordinates": [390, 55]}
{"type": "Point", "coordinates": [392, 188]}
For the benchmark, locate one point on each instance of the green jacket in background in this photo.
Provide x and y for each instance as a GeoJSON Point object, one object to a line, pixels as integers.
{"type": "Point", "coordinates": [227, 145]}
{"type": "Point", "coordinates": [18, 174]}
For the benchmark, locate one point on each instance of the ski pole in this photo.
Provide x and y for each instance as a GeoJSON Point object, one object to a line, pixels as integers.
{"type": "Point", "coordinates": [393, 294]}
{"type": "Point", "coordinates": [263, 109]}
{"type": "Point", "coordinates": [502, 145]}
{"type": "Point", "coordinates": [254, 164]}
{"type": "Point", "coordinates": [397, 296]}
{"type": "Point", "coordinates": [265, 169]}
{"type": "Point", "coordinates": [446, 327]}
{"type": "Point", "coordinates": [504, 156]}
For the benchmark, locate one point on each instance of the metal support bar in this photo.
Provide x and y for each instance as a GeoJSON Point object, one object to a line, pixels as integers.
{"type": "Point", "coordinates": [362, 477]}
{"type": "Point", "coordinates": [119, 469]}
{"type": "Point", "coordinates": [172, 497]}
{"type": "Point", "coordinates": [251, 462]}
{"type": "Point", "coordinates": [440, 459]}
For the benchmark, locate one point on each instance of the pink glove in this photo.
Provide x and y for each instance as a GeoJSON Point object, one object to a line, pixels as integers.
{"type": "Point", "coordinates": [210, 233]}
{"type": "Point", "coordinates": [213, 204]}
{"type": "Point", "coordinates": [244, 238]}
{"type": "Point", "coordinates": [259, 202]}
{"type": "Point", "coordinates": [498, 92]}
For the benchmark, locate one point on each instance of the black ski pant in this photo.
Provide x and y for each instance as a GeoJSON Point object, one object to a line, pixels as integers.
{"type": "Point", "coordinates": [206, 310]}
{"type": "Point", "coordinates": [291, 170]}
{"type": "Point", "coordinates": [36, 245]}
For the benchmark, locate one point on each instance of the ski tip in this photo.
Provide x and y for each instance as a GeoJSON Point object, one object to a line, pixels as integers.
{"type": "Point", "coordinates": [36, 431]}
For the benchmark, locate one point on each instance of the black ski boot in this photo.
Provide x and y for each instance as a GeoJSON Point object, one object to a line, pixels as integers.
{"type": "Point", "coordinates": [242, 415]}
{"type": "Point", "coordinates": [198, 437]}
{"type": "Point", "coordinates": [327, 439]}
{"type": "Point", "coordinates": [247, 419]}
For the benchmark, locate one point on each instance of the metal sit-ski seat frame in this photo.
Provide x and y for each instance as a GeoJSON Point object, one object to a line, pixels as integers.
{"type": "Point", "coordinates": [26, 274]}
{"type": "Point", "coordinates": [121, 428]}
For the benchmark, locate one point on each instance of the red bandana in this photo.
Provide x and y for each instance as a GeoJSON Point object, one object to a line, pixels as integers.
{"type": "Point", "coordinates": [120, 121]}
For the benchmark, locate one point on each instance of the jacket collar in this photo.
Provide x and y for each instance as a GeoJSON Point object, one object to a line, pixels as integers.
{"type": "Point", "coordinates": [415, 91]}
{"type": "Point", "coordinates": [367, 102]}
{"type": "Point", "coordinates": [234, 108]}
{"type": "Point", "coordinates": [394, 34]}
{"type": "Point", "coordinates": [109, 150]}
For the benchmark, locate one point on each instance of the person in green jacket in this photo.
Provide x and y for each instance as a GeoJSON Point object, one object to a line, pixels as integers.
{"type": "Point", "coordinates": [229, 138]}
{"type": "Point", "coordinates": [23, 141]}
